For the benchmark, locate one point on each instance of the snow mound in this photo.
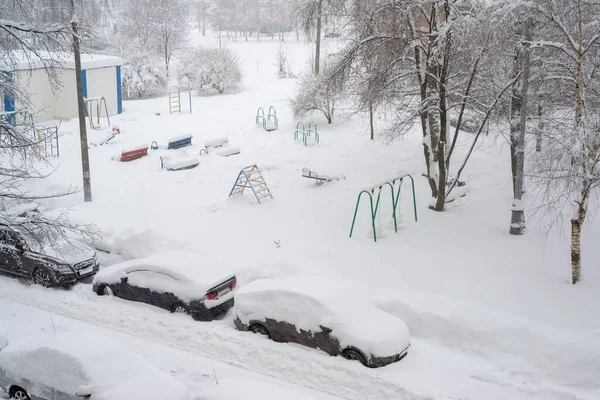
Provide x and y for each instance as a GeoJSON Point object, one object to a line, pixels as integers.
{"type": "Point", "coordinates": [3, 337]}
{"type": "Point", "coordinates": [472, 328]}
{"type": "Point", "coordinates": [241, 388]}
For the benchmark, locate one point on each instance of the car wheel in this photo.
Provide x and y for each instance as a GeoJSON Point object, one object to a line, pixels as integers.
{"type": "Point", "coordinates": [260, 329]}
{"type": "Point", "coordinates": [107, 291]}
{"type": "Point", "coordinates": [42, 276]}
{"type": "Point", "coordinates": [16, 393]}
{"type": "Point", "coordinates": [353, 354]}
{"type": "Point", "coordinates": [180, 308]}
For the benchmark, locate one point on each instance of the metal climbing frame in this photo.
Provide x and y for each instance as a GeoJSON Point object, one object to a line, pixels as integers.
{"type": "Point", "coordinates": [175, 99]}
{"type": "Point", "coordinates": [89, 110]}
{"type": "Point", "coordinates": [272, 117]}
{"type": "Point", "coordinates": [250, 177]}
{"type": "Point", "coordinates": [395, 200]}
{"type": "Point", "coordinates": [260, 117]}
{"type": "Point", "coordinates": [47, 141]}
{"type": "Point", "coordinates": [312, 128]}
{"type": "Point", "coordinates": [300, 130]}
{"type": "Point", "coordinates": [306, 133]}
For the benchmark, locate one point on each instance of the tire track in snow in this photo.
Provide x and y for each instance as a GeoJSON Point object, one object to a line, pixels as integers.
{"type": "Point", "coordinates": [214, 340]}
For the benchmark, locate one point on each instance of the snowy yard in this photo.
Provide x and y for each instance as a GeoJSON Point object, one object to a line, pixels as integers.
{"type": "Point", "coordinates": [491, 316]}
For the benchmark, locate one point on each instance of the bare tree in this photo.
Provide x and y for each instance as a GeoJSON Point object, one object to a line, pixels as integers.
{"type": "Point", "coordinates": [24, 43]}
{"type": "Point", "coordinates": [569, 165]}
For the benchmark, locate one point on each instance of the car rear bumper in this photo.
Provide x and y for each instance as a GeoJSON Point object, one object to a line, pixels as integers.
{"type": "Point", "coordinates": [376, 362]}
{"type": "Point", "coordinates": [208, 314]}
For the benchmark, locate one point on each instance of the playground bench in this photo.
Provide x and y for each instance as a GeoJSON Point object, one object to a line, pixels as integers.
{"type": "Point", "coordinates": [134, 154]}
{"type": "Point", "coordinates": [216, 143]}
{"type": "Point", "coordinates": [179, 142]}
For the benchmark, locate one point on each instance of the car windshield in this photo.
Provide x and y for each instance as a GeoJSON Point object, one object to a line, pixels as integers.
{"type": "Point", "coordinates": [39, 239]}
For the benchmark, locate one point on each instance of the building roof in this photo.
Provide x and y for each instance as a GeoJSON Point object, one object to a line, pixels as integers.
{"type": "Point", "coordinates": [28, 61]}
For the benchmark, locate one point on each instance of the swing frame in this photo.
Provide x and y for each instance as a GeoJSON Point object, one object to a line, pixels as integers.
{"type": "Point", "coordinates": [395, 200]}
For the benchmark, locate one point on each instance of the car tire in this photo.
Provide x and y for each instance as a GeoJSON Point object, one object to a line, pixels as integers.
{"type": "Point", "coordinates": [353, 354]}
{"type": "Point", "coordinates": [42, 276]}
{"type": "Point", "coordinates": [180, 308]}
{"type": "Point", "coordinates": [17, 393]}
{"type": "Point", "coordinates": [260, 329]}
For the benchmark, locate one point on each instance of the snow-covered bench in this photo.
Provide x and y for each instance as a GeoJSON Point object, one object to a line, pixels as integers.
{"type": "Point", "coordinates": [229, 151]}
{"type": "Point", "coordinates": [216, 143]}
{"type": "Point", "coordinates": [178, 163]}
{"type": "Point", "coordinates": [132, 154]}
{"type": "Point", "coordinates": [179, 142]}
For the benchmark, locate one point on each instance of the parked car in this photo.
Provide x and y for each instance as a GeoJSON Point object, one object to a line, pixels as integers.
{"type": "Point", "coordinates": [313, 312]}
{"type": "Point", "coordinates": [177, 281]}
{"type": "Point", "coordinates": [47, 260]}
{"type": "Point", "coordinates": [81, 364]}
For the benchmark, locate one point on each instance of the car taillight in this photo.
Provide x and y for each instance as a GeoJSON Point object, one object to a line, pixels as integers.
{"type": "Point", "coordinates": [233, 284]}
{"type": "Point", "coordinates": [211, 296]}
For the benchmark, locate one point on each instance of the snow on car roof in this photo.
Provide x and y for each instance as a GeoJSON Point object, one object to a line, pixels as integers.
{"type": "Point", "coordinates": [85, 358]}
{"type": "Point", "coordinates": [182, 265]}
{"type": "Point", "coordinates": [356, 322]}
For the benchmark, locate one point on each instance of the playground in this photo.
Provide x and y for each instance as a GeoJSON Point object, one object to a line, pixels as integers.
{"type": "Point", "coordinates": [179, 174]}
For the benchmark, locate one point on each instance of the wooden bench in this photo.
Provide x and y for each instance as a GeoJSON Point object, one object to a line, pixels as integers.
{"type": "Point", "coordinates": [133, 154]}
{"type": "Point", "coordinates": [179, 142]}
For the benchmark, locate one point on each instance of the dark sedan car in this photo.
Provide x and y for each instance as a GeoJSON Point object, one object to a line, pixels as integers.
{"type": "Point", "coordinates": [177, 281]}
{"type": "Point", "coordinates": [47, 261]}
{"type": "Point", "coordinates": [312, 312]}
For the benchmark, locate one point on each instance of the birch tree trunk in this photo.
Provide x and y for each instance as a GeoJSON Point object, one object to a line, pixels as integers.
{"type": "Point", "coordinates": [517, 219]}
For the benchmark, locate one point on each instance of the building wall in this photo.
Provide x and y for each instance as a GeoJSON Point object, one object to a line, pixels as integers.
{"type": "Point", "coordinates": [103, 82]}
{"type": "Point", "coordinates": [37, 86]}
{"type": "Point", "coordinates": [62, 103]}
{"type": "Point", "coordinates": [66, 100]}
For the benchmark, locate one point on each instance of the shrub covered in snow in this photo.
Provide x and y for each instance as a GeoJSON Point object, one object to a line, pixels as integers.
{"type": "Point", "coordinates": [141, 76]}
{"type": "Point", "coordinates": [210, 68]}
{"type": "Point", "coordinates": [314, 94]}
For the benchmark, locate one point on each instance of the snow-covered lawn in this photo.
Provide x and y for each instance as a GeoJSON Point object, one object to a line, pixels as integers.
{"type": "Point", "coordinates": [491, 316]}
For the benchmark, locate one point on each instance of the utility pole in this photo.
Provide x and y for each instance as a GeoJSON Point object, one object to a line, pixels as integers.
{"type": "Point", "coordinates": [517, 219]}
{"type": "Point", "coordinates": [85, 160]}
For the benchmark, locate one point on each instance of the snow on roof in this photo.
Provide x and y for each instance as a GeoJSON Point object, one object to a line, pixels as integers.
{"type": "Point", "coordinates": [27, 61]}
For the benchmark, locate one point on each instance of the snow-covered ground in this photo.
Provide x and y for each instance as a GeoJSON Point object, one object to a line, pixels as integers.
{"type": "Point", "coordinates": [491, 315]}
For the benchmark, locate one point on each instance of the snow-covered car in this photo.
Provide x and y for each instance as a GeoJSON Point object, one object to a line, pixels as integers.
{"type": "Point", "coordinates": [316, 313]}
{"type": "Point", "coordinates": [177, 281]}
{"type": "Point", "coordinates": [81, 364]}
{"type": "Point", "coordinates": [47, 260]}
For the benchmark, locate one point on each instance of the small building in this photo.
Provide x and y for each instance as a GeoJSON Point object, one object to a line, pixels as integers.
{"type": "Point", "coordinates": [101, 77]}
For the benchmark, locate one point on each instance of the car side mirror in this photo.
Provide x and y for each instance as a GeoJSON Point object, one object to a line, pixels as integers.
{"type": "Point", "coordinates": [325, 329]}
{"type": "Point", "coordinates": [84, 392]}
{"type": "Point", "coordinates": [19, 246]}
{"type": "Point", "coordinates": [124, 279]}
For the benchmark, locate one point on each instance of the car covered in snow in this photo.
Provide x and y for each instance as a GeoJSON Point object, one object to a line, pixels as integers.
{"type": "Point", "coordinates": [48, 259]}
{"type": "Point", "coordinates": [316, 313]}
{"type": "Point", "coordinates": [177, 281]}
{"type": "Point", "coordinates": [81, 364]}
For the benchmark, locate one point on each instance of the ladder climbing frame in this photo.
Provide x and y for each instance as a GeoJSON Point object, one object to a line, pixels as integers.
{"type": "Point", "coordinates": [250, 177]}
